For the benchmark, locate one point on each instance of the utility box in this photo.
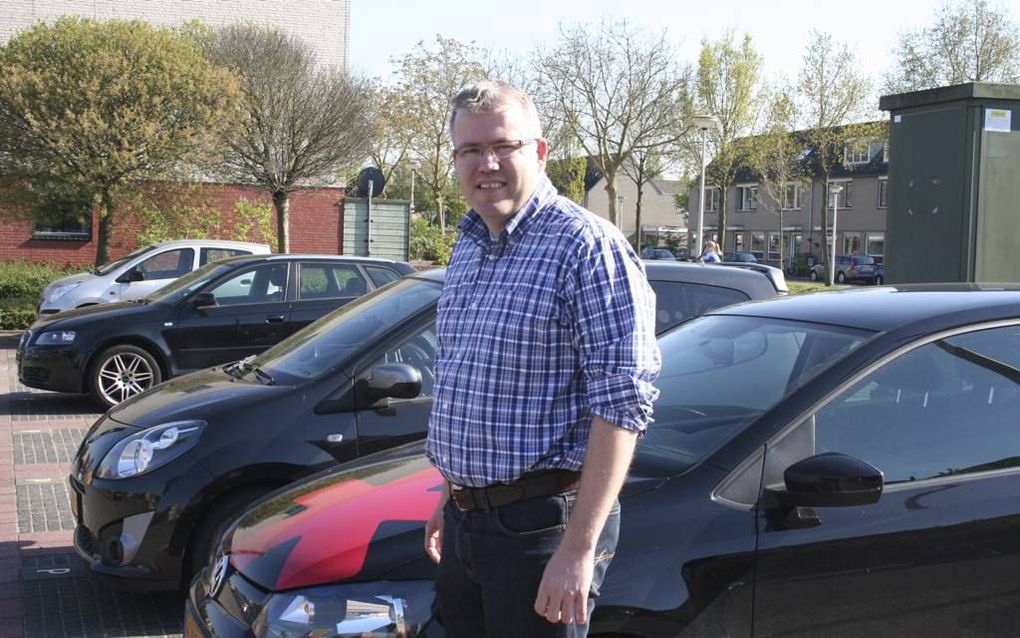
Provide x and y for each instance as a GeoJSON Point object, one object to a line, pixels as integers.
{"type": "Point", "coordinates": [954, 184]}
{"type": "Point", "coordinates": [377, 227]}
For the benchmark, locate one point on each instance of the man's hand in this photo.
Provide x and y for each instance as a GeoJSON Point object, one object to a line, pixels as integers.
{"type": "Point", "coordinates": [563, 593]}
{"type": "Point", "coordinates": [434, 533]}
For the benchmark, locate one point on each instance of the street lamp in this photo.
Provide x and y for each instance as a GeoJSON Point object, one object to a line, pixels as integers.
{"type": "Point", "coordinates": [414, 171]}
{"type": "Point", "coordinates": [835, 189]}
{"type": "Point", "coordinates": [703, 122]}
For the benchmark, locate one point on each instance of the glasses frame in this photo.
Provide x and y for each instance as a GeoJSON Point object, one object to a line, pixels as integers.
{"type": "Point", "coordinates": [484, 149]}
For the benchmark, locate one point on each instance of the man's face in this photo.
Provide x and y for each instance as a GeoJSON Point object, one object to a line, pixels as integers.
{"type": "Point", "coordinates": [497, 187]}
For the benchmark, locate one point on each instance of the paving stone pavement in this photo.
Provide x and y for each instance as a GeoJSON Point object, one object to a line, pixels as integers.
{"type": "Point", "coordinates": [46, 590]}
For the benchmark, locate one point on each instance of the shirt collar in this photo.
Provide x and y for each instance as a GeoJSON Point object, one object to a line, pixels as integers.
{"type": "Point", "coordinates": [474, 227]}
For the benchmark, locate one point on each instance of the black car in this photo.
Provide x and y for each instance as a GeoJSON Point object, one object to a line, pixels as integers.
{"type": "Point", "coordinates": [803, 477]}
{"type": "Point", "coordinates": [224, 311]}
{"type": "Point", "coordinates": [159, 475]}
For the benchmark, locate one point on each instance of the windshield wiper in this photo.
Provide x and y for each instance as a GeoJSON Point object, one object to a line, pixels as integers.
{"type": "Point", "coordinates": [239, 368]}
{"type": "Point", "coordinates": [263, 376]}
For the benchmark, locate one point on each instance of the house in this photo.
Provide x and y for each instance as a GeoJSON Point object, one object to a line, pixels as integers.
{"type": "Point", "coordinates": [660, 217]}
{"type": "Point", "coordinates": [759, 224]}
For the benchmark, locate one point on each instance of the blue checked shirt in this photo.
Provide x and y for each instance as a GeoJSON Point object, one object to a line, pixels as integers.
{"type": "Point", "coordinates": [540, 329]}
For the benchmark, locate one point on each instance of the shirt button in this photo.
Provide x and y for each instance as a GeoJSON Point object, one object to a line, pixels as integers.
{"type": "Point", "coordinates": [492, 256]}
{"type": "Point", "coordinates": [474, 305]}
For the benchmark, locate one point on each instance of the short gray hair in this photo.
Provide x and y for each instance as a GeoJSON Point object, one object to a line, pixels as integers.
{"type": "Point", "coordinates": [487, 96]}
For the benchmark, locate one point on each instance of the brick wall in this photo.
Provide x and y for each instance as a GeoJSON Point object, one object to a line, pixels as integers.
{"type": "Point", "coordinates": [316, 227]}
{"type": "Point", "coordinates": [322, 24]}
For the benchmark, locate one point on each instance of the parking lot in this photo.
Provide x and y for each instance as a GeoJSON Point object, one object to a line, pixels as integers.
{"type": "Point", "coordinates": [45, 589]}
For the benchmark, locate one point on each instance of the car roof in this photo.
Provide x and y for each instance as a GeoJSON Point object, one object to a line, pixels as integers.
{"type": "Point", "coordinates": [308, 257]}
{"type": "Point", "coordinates": [884, 308]}
{"type": "Point", "coordinates": [217, 243]}
{"type": "Point", "coordinates": [755, 284]}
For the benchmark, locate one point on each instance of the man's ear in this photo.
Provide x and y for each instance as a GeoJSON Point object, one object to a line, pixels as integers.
{"type": "Point", "coordinates": [542, 148]}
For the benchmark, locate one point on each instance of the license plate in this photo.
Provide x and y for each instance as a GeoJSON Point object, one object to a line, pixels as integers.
{"type": "Point", "coordinates": [191, 629]}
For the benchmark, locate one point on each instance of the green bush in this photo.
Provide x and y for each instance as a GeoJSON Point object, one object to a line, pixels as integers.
{"type": "Point", "coordinates": [22, 279]}
{"type": "Point", "coordinates": [17, 313]}
{"type": "Point", "coordinates": [427, 243]}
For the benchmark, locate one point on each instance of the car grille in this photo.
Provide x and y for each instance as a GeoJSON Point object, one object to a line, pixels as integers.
{"type": "Point", "coordinates": [32, 374]}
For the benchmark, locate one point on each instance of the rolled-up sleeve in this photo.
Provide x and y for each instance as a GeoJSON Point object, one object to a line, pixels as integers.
{"type": "Point", "coordinates": [614, 319]}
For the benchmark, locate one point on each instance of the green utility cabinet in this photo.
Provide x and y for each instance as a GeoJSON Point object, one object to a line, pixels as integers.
{"type": "Point", "coordinates": [954, 184]}
{"type": "Point", "coordinates": [377, 227]}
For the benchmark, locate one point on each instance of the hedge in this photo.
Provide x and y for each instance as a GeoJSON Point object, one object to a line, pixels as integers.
{"type": "Point", "coordinates": [21, 283]}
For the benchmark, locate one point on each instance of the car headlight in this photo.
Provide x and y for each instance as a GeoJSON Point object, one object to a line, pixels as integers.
{"type": "Point", "coordinates": [390, 609]}
{"type": "Point", "coordinates": [60, 291]}
{"type": "Point", "coordinates": [149, 449]}
{"type": "Point", "coordinates": [56, 338]}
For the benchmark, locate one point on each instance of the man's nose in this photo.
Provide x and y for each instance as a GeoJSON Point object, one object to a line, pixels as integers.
{"type": "Point", "coordinates": [489, 159]}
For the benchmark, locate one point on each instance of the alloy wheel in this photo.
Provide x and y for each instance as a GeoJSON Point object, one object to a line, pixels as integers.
{"type": "Point", "coordinates": [124, 375]}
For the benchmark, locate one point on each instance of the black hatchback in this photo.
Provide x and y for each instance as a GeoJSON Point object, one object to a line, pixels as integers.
{"type": "Point", "coordinates": [159, 475]}
{"type": "Point", "coordinates": [224, 311]}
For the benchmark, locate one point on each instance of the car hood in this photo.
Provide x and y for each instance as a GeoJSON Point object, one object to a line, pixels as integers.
{"type": "Point", "coordinates": [361, 522]}
{"type": "Point", "coordinates": [116, 311]}
{"type": "Point", "coordinates": [200, 395]}
{"type": "Point", "coordinates": [71, 279]}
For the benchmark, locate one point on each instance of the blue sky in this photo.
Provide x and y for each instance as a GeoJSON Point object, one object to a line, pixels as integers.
{"type": "Point", "coordinates": [381, 29]}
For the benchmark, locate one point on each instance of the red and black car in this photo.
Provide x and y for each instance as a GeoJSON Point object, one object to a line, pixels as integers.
{"type": "Point", "coordinates": [803, 477]}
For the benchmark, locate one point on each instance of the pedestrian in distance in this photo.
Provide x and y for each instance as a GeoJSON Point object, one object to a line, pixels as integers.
{"type": "Point", "coordinates": [544, 369]}
{"type": "Point", "coordinates": [710, 254]}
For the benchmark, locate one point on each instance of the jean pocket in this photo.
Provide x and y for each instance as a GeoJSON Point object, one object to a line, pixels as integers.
{"type": "Point", "coordinates": [533, 516]}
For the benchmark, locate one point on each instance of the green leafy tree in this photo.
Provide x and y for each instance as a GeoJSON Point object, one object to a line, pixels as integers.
{"type": "Point", "coordinates": [300, 122]}
{"type": "Point", "coordinates": [729, 87]}
{"type": "Point", "coordinates": [969, 41]}
{"type": "Point", "coordinates": [87, 109]}
{"type": "Point", "coordinates": [567, 175]}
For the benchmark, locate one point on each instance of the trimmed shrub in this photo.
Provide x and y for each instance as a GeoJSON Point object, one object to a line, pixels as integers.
{"type": "Point", "coordinates": [23, 279]}
{"type": "Point", "coordinates": [17, 314]}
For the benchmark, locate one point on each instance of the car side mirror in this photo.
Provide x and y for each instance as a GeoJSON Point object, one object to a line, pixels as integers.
{"type": "Point", "coordinates": [389, 381]}
{"type": "Point", "coordinates": [131, 275]}
{"type": "Point", "coordinates": [830, 479]}
{"type": "Point", "coordinates": [203, 300]}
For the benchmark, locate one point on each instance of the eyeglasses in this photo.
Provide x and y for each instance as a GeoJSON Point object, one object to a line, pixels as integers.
{"type": "Point", "coordinates": [502, 150]}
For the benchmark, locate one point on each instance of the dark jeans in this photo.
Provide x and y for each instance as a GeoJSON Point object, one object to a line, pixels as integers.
{"type": "Point", "coordinates": [492, 563]}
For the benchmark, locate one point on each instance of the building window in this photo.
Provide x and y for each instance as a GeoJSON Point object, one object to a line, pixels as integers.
{"type": "Point", "coordinates": [876, 244]}
{"type": "Point", "coordinates": [774, 241]}
{"type": "Point", "coordinates": [758, 245]}
{"type": "Point", "coordinates": [738, 242]}
{"type": "Point", "coordinates": [65, 221]}
{"type": "Point", "coordinates": [747, 198]}
{"type": "Point", "coordinates": [851, 244]}
{"type": "Point", "coordinates": [862, 152]}
{"type": "Point", "coordinates": [712, 200]}
{"type": "Point", "coordinates": [883, 190]}
{"type": "Point", "coordinates": [791, 196]}
{"type": "Point", "coordinates": [845, 198]}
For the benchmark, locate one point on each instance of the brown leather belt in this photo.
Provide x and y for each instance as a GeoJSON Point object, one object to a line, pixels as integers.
{"type": "Point", "coordinates": [532, 485]}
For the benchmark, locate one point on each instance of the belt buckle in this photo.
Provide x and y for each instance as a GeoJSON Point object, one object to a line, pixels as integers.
{"type": "Point", "coordinates": [459, 491]}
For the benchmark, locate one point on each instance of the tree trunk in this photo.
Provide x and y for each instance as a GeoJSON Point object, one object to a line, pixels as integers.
{"type": "Point", "coordinates": [106, 213]}
{"type": "Point", "coordinates": [782, 240]}
{"type": "Point", "coordinates": [721, 227]}
{"type": "Point", "coordinates": [829, 275]}
{"type": "Point", "coordinates": [637, 207]}
{"type": "Point", "coordinates": [611, 195]}
{"type": "Point", "coordinates": [441, 205]}
{"type": "Point", "coordinates": [281, 201]}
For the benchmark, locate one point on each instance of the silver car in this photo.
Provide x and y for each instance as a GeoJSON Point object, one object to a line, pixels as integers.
{"type": "Point", "coordinates": [139, 273]}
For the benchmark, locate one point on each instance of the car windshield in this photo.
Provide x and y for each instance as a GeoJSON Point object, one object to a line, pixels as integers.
{"type": "Point", "coordinates": [190, 282]}
{"type": "Point", "coordinates": [117, 263]}
{"type": "Point", "coordinates": [720, 373]}
{"type": "Point", "coordinates": [330, 340]}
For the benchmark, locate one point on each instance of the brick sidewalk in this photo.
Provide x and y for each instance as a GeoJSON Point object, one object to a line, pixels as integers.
{"type": "Point", "coordinates": [45, 588]}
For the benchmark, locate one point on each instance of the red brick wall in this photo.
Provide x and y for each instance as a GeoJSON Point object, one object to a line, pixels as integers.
{"type": "Point", "coordinates": [316, 226]}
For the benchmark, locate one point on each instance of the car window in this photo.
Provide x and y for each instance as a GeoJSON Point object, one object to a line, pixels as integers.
{"type": "Point", "coordinates": [263, 284]}
{"type": "Point", "coordinates": [382, 276]}
{"type": "Point", "coordinates": [678, 301]}
{"type": "Point", "coordinates": [946, 408]}
{"type": "Point", "coordinates": [323, 281]}
{"type": "Point", "coordinates": [420, 352]}
{"type": "Point", "coordinates": [213, 254]}
{"type": "Point", "coordinates": [721, 372]}
{"type": "Point", "coordinates": [113, 265]}
{"type": "Point", "coordinates": [170, 264]}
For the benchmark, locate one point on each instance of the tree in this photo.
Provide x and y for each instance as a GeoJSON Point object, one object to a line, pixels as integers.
{"type": "Point", "coordinates": [644, 166]}
{"type": "Point", "coordinates": [391, 135]}
{"type": "Point", "coordinates": [300, 122]}
{"type": "Point", "coordinates": [833, 94]}
{"type": "Point", "coordinates": [427, 81]}
{"type": "Point", "coordinates": [729, 86]}
{"type": "Point", "coordinates": [618, 89]}
{"type": "Point", "coordinates": [776, 156]}
{"type": "Point", "coordinates": [88, 108]}
{"type": "Point", "coordinates": [969, 41]}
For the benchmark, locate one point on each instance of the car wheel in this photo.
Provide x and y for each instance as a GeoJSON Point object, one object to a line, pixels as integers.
{"type": "Point", "coordinates": [814, 275]}
{"type": "Point", "coordinates": [840, 277]}
{"type": "Point", "coordinates": [123, 371]}
{"type": "Point", "coordinates": [218, 516]}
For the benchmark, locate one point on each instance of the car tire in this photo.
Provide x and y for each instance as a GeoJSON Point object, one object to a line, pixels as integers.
{"type": "Point", "coordinates": [813, 276]}
{"type": "Point", "coordinates": [217, 517]}
{"type": "Point", "coordinates": [840, 278]}
{"type": "Point", "coordinates": [121, 372]}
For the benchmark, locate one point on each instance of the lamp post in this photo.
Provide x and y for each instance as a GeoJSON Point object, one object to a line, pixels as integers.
{"type": "Point", "coordinates": [835, 189]}
{"type": "Point", "coordinates": [703, 122]}
{"type": "Point", "coordinates": [414, 171]}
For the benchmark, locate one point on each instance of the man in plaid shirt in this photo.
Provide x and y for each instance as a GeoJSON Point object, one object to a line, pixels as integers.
{"type": "Point", "coordinates": [544, 374]}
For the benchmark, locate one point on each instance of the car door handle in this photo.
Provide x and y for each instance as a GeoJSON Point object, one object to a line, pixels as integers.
{"type": "Point", "coordinates": [275, 319]}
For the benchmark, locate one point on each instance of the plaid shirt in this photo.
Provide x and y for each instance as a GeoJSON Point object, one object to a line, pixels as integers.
{"type": "Point", "coordinates": [540, 329]}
